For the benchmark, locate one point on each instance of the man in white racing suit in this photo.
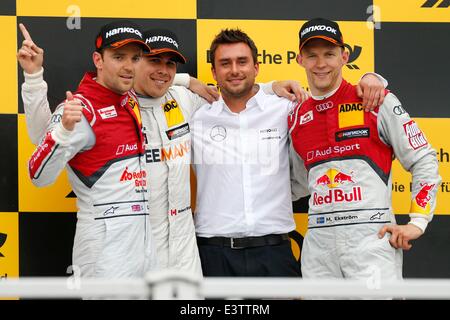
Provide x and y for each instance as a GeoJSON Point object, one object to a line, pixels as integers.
{"type": "Point", "coordinates": [166, 111]}
{"type": "Point", "coordinates": [348, 157]}
{"type": "Point", "coordinates": [98, 137]}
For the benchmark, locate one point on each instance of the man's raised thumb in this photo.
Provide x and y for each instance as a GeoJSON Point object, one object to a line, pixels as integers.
{"type": "Point", "coordinates": [69, 96]}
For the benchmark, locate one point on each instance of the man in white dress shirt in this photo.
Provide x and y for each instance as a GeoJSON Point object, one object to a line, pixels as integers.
{"type": "Point", "coordinates": [240, 155]}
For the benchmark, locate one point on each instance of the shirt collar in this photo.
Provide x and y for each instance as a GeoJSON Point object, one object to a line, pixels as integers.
{"type": "Point", "coordinates": [258, 100]}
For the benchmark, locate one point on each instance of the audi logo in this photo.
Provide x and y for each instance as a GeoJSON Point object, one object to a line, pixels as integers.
{"type": "Point", "coordinates": [324, 106]}
{"type": "Point", "coordinates": [398, 110]}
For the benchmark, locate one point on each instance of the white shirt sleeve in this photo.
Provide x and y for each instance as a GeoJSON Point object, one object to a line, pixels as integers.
{"type": "Point", "coordinates": [182, 79]}
{"type": "Point", "coordinates": [383, 80]}
{"type": "Point", "coordinates": [267, 87]}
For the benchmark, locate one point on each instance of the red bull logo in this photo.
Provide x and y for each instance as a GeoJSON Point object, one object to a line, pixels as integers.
{"type": "Point", "coordinates": [342, 177]}
{"type": "Point", "coordinates": [421, 201]}
{"type": "Point", "coordinates": [323, 180]}
{"type": "Point", "coordinates": [337, 196]}
{"type": "Point", "coordinates": [333, 179]}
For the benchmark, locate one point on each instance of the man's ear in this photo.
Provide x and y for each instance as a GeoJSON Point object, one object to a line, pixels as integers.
{"type": "Point", "coordinates": [213, 71]}
{"type": "Point", "coordinates": [299, 59]}
{"type": "Point", "coordinates": [345, 56]}
{"type": "Point", "coordinates": [98, 60]}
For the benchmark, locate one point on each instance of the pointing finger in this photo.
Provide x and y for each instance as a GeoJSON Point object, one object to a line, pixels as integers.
{"type": "Point", "coordinates": [25, 32]}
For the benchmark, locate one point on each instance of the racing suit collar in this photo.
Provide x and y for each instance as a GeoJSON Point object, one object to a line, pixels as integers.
{"type": "Point", "coordinates": [329, 94]}
{"type": "Point", "coordinates": [151, 102]}
{"type": "Point", "coordinates": [325, 96]}
{"type": "Point", "coordinates": [101, 95]}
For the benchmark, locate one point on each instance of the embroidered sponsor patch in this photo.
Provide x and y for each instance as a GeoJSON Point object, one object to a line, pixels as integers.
{"type": "Point", "coordinates": [135, 107]}
{"type": "Point", "coordinates": [137, 208]}
{"type": "Point", "coordinates": [351, 134]}
{"type": "Point", "coordinates": [218, 133]}
{"type": "Point", "coordinates": [398, 110]}
{"type": "Point", "coordinates": [108, 112]}
{"type": "Point", "coordinates": [307, 117]}
{"type": "Point", "coordinates": [324, 106]}
{"type": "Point", "coordinates": [173, 113]}
{"type": "Point", "coordinates": [415, 136]}
{"type": "Point", "coordinates": [178, 131]}
{"type": "Point", "coordinates": [421, 202]}
{"type": "Point", "coordinates": [126, 148]}
{"type": "Point", "coordinates": [351, 114]}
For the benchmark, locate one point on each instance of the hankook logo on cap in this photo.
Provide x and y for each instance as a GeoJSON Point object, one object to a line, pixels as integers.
{"type": "Point", "coordinates": [218, 133]}
{"type": "Point", "coordinates": [122, 30]}
{"type": "Point", "coordinates": [319, 28]}
{"type": "Point", "coordinates": [161, 39]}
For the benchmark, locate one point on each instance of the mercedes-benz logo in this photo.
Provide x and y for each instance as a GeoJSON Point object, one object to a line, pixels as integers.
{"type": "Point", "coordinates": [218, 133]}
{"type": "Point", "coordinates": [398, 110]}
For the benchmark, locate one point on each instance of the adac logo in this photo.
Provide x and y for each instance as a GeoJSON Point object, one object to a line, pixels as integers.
{"type": "Point", "coordinates": [351, 114]}
{"type": "Point", "coordinates": [433, 3]}
{"type": "Point", "coordinates": [355, 52]}
{"type": "Point", "coordinates": [2, 242]}
{"type": "Point", "coordinates": [333, 179]}
{"type": "Point", "coordinates": [169, 105]}
{"type": "Point", "coordinates": [349, 107]}
{"type": "Point", "coordinates": [173, 113]}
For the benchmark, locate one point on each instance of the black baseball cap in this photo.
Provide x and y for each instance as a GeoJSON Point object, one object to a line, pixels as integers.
{"type": "Point", "coordinates": [119, 33]}
{"type": "Point", "coordinates": [320, 28]}
{"type": "Point", "coordinates": [163, 40]}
